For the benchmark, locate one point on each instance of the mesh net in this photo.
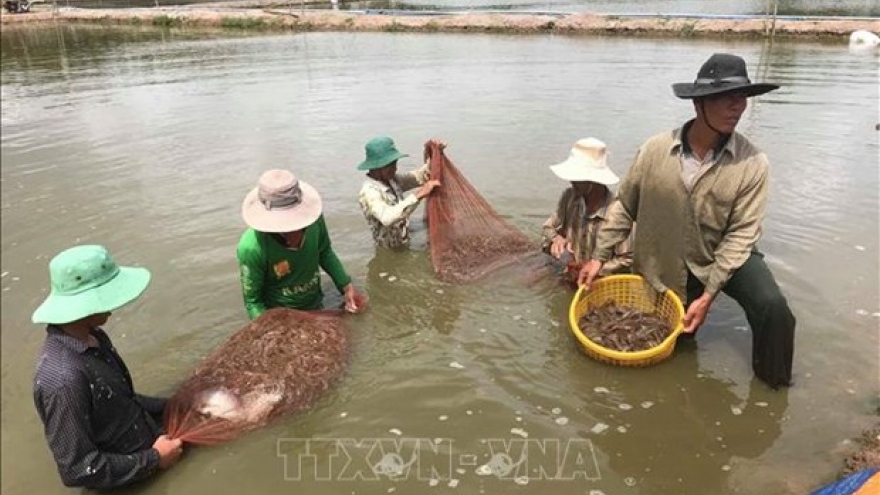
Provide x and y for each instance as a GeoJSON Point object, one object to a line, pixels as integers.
{"type": "Point", "coordinates": [280, 363]}
{"type": "Point", "coordinates": [468, 238]}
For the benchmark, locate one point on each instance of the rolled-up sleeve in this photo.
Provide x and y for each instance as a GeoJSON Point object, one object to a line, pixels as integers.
{"type": "Point", "coordinates": [65, 415]}
{"type": "Point", "coordinates": [375, 206]}
{"type": "Point", "coordinates": [413, 179]}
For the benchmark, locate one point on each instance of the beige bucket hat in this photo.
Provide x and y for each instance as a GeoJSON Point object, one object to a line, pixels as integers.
{"type": "Point", "coordinates": [281, 203]}
{"type": "Point", "coordinates": [586, 163]}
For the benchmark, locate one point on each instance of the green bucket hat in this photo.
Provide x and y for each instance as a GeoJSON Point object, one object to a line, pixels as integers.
{"type": "Point", "coordinates": [380, 152]}
{"type": "Point", "coordinates": [86, 281]}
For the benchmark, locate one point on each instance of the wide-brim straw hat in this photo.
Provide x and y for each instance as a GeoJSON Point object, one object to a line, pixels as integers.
{"type": "Point", "coordinates": [85, 280]}
{"type": "Point", "coordinates": [380, 152]}
{"type": "Point", "coordinates": [281, 203]}
{"type": "Point", "coordinates": [586, 163]}
{"type": "Point", "coordinates": [722, 73]}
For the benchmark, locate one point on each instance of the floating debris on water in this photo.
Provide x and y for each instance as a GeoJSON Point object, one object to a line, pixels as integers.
{"type": "Point", "coordinates": [621, 429]}
{"type": "Point", "coordinates": [600, 390]}
{"type": "Point", "coordinates": [623, 328]}
{"type": "Point", "coordinates": [725, 468]}
{"type": "Point", "coordinates": [761, 404]}
{"type": "Point", "coordinates": [469, 412]}
{"type": "Point", "coordinates": [533, 322]}
{"type": "Point", "coordinates": [562, 421]}
{"type": "Point", "coordinates": [456, 365]}
{"type": "Point", "coordinates": [624, 406]}
{"type": "Point", "coordinates": [629, 481]}
{"type": "Point", "coordinates": [392, 278]}
{"type": "Point", "coordinates": [343, 414]}
{"type": "Point", "coordinates": [395, 431]}
{"type": "Point", "coordinates": [556, 410]}
{"type": "Point", "coordinates": [736, 411]}
{"type": "Point", "coordinates": [433, 482]}
{"type": "Point", "coordinates": [554, 323]}
{"type": "Point", "coordinates": [517, 317]}
{"type": "Point", "coordinates": [4, 274]}
{"type": "Point", "coordinates": [383, 274]}
{"type": "Point", "coordinates": [599, 428]}
{"type": "Point", "coordinates": [860, 248]}
{"type": "Point", "coordinates": [520, 432]}
{"type": "Point", "coordinates": [439, 291]}
{"type": "Point", "coordinates": [860, 312]}
{"type": "Point", "coordinates": [521, 480]}
{"type": "Point", "coordinates": [443, 417]}
{"type": "Point", "coordinates": [460, 471]}
{"type": "Point", "coordinates": [647, 404]}
{"type": "Point", "coordinates": [518, 419]}
{"type": "Point", "coordinates": [452, 483]}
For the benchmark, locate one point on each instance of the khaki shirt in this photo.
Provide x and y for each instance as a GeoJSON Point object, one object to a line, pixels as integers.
{"type": "Point", "coordinates": [710, 229]}
{"type": "Point", "coordinates": [387, 210]}
{"type": "Point", "coordinates": [571, 221]}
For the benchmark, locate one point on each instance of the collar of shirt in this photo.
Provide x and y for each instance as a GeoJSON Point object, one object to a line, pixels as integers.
{"type": "Point", "coordinates": [599, 214]}
{"type": "Point", "coordinates": [384, 188]}
{"type": "Point", "coordinates": [68, 340]}
{"type": "Point", "coordinates": [681, 146]}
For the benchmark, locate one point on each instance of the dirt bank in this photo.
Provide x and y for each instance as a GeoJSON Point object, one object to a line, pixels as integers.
{"type": "Point", "coordinates": [293, 19]}
{"type": "Point", "coordinates": [867, 454]}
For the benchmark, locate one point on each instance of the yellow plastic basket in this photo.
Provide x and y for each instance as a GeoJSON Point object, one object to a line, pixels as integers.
{"type": "Point", "coordinates": [632, 291]}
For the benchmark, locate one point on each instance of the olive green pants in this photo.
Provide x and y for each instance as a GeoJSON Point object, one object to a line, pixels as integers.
{"type": "Point", "coordinates": [752, 286]}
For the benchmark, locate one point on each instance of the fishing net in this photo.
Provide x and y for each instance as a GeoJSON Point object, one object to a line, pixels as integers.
{"type": "Point", "coordinates": [280, 363]}
{"type": "Point", "coordinates": [468, 238]}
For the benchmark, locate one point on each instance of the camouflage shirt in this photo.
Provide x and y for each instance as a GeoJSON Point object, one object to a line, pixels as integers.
{"type": "Point", "coordinates": [387, 210]}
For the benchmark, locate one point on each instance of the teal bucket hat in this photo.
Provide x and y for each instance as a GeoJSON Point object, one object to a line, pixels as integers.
{"type": "Point", "coordinates": [380, 152]}
{"type": "Point", "coordinates": [86, 281]}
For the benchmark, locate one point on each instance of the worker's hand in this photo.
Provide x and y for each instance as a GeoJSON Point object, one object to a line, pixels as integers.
{"type": "Point", "coordinates": [169, 450]}
{"type": "Point", "coordinates": [589, 272]}
{"type": "Point", "coordinates": [558, 246]}
{"type": "Point", "coordinates": [697, 312]}
{"type": "Point", "coordinates": [427, 188]}
{"type": "Point", "coordinates": [438, 142]}
{"type": "Point", "coordinates": [355, 302]}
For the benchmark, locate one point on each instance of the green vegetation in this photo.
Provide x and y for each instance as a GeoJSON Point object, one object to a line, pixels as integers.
{"type": "Point", "coordinates": [687, 30]}
{"type": "Point", "coordinates": [166, 21]}
{"type": "Point", "coordinates": [395, 27]}
{"type": "Point", "coordinates": [242, 23]}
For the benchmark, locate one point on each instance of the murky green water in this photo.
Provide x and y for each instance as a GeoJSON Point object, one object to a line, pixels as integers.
{"type": "Point", "coordinates": [147, 141]}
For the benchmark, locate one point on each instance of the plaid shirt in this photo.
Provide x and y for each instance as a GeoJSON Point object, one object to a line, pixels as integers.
{"type": "Point", "coordinates": [386, 209]}
{"type": "Point", "coordinates": [570, 220]}
{"type": "Point", "coordinates": [100, 432]}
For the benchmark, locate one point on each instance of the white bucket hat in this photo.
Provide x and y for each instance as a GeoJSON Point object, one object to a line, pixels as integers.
{"type": "Point", "coordinates": [281, 203]}
{"type": "Point", "coordinates": [586, 163]}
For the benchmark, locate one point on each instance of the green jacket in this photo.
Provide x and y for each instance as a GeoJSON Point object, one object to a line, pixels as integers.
{"type": "Point", "coordinates": [273, 275]}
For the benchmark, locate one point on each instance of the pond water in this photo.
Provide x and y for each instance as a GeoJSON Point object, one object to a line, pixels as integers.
{"type": "Point", "coordinates": [147, 141]}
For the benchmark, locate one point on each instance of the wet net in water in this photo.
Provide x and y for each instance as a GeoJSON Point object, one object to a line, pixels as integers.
{"type": "Point", "coordinates": [468, 239]}
{"type": "Point", "coordinates": [280, 363]}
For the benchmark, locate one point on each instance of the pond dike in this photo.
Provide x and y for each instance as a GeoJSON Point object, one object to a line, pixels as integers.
{"type": "Point", "coordinates": [273, 18]}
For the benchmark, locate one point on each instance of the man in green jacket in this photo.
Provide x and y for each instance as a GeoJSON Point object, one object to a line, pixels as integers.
{"type": "Point", "coordinates": [279, 255]}
{"type": "Point", "coordinates": [698, 194]}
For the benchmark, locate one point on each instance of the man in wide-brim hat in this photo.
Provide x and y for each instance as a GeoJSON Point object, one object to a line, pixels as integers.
{"type": "Point", "coordinates": [698, 194]}
{"type": "Point", "coordinates": [569, 235]}
{"type": "Point", "coordinates": [280, 254]}
{"type": "Point", "coordinates": [382, 200]}
{"type": "Point", "coordinates": [101, 433]}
